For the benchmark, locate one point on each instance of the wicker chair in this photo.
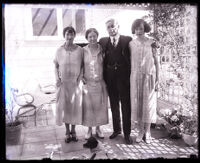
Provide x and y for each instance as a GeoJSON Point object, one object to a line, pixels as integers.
{"type": "Point", "coordinates": [25, 100]}
{"type": "Point", "coordinates": [29, 106]}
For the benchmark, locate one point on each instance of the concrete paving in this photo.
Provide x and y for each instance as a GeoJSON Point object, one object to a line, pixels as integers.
{"type": "Point", "coordinates": [46, 140]}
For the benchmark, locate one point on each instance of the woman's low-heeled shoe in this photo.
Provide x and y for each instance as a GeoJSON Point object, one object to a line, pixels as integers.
{"type": "Point", "coordinates": [140, 137]}
{"type": "Point", "coordinates": [68, 139]}
{"type": "Point", "coordinates": [148, 138]}
{"type": "Point", "coordinates": [88, 135]}
{"type": "Point", "coordinates": [73, 136]}
{"type": "Point", "coordinates": [99, 134]}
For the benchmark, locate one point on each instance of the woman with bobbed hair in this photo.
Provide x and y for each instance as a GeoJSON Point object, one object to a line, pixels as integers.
{"type": "Point", "coordinates": [144, 79]}
{"type": "Point", "coordinates": [68, 66]}
{"type": "Point", "coordinates": [95, 98]}
{"type": "Point", "coordinates": [137, 23]}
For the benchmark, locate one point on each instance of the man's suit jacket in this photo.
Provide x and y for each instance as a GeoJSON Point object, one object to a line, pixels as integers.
{"type": "Point", "coordinates": [124, 43]}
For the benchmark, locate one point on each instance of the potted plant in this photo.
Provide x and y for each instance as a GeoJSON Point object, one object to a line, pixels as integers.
{"type": "Point", "coordinates": [189, 131]}
{"type": "Point", "coordinates": [173, 119]}
{"type": "Point", "coordinates": [189, 126]}
{"type": "Point", "coordinates": [13, 125]}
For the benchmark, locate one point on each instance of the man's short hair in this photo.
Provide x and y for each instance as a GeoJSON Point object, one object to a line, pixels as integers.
{"type": "Point", "coordinates": [112, 20]}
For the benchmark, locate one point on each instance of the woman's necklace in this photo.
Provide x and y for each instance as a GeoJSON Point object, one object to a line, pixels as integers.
{"type": "Point", "coordinates": [93, 50]}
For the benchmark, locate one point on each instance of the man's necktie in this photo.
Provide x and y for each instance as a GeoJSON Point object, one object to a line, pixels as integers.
{"type": "Point", "coordinates": [114, 42]}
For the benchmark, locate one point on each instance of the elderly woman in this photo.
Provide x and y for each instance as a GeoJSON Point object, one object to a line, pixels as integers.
{"type": "Point", "coordinates": [144, 79]}
{"type": "Point", "coordinates": [95, 98]}
{"type": "Point", "coordinates": [68, 61]}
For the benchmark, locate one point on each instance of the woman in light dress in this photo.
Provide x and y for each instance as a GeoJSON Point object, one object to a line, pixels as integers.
{"type": "Point", "coordinates": [68, 63]}
{"type": "Point", "coordinates": [144, 79]}
{"type": "Point", "coordinates": [95, 98]}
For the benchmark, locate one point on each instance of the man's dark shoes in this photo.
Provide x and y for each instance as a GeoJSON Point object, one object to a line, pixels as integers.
{"type": "Point", "coordinates": [128, 140]}
{"type": "Point", "coordinates": [114, 135]}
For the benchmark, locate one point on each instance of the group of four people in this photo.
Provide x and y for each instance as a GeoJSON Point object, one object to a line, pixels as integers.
{"type": "Point", "coordinates": [118, 67]}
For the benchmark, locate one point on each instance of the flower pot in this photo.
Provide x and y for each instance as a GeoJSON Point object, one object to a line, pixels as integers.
{"type": "Point", "coordinates": [173, 131]}
{"type": "Point", "coordinates": [13, 134]}
{"type": "Point", "coordinates": [189, 139]}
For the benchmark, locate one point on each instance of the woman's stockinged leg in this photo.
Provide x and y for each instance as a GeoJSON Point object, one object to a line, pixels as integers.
{"type": "Point", "coordinates": [67, 128]}
{"type": "Point", "coordinates": [73, 129]}
{"type": "Point", "coordinates": [141, 132]}
{"type": "Point", "coordinates": [147, 133]}
{"type": "Point", "coordinates": [89, 133]}
{"type": "Point", "coordinates": [90, 129]}
{"type": "Point", "coordinates": [141, 127]}
{"type": "Point", "coordinates": [73, 133]}
{"type": "Point", "coordinates": [147, 127]}
{"type": "Point", "coordinates": [99, 134]}
{"type": "Point", "coordinates": [68, 136]}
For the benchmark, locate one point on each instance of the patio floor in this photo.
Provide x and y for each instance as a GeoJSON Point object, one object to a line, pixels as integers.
{"type": "Point", "coordinates": [38, 142]}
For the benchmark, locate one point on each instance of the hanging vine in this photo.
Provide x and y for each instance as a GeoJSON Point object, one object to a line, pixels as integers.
{"type": "Point", "coordinates": [170, 31]}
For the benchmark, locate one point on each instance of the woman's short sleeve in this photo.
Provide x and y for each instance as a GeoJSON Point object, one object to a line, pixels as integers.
{"type": "Point", "coordinates": [56, 59]}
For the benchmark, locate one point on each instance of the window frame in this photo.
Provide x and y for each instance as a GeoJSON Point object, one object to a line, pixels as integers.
{"type": "Point", "coordinates": [29, 26]}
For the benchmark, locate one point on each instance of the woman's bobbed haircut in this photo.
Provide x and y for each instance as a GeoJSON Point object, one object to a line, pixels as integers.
{"type": "Point", "coordinates": [137, 23]}
{"type": "Point", "coordinates": [69, 29]}
{"type": "Point", "coordinates": [91, 30]}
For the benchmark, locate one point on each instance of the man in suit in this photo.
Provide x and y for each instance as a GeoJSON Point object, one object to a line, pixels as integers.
{"type": "Point", "coordinates": [117, 77]}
